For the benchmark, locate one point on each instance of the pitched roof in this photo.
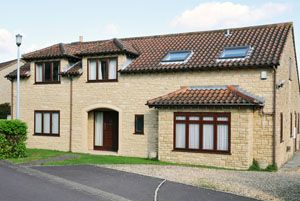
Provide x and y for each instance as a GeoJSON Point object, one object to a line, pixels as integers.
{"type": "Point", "coordinates": [7, 63]}
{"type": "Point", "coordinates": [75, 69]}
{"type": "Point", "coordinates": [110, 46]}
{"type": "Point", "coordinates": [24, 72]}
{"type": "Point", "coordinates": [266, 42]}
{"type": "Point", "coordinates": [207, 96]}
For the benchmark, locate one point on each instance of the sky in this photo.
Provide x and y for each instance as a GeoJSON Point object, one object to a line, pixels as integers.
{"type": "Point", "coordinates": [47, 22]}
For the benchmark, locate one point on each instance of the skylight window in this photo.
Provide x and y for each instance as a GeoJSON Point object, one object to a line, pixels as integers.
{"type": "Point", "coordinates": [176, 56]}
{"type": "Point", "coordinates": [234, 52]}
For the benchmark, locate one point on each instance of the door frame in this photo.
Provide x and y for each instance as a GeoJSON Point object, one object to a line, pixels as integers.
{"type": "Point", "coordinates": [94, 131]}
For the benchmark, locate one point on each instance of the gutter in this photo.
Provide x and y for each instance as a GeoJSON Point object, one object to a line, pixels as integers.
{"type": "Point", "coordinates": [71, 113]}
{"type": "Point", "coordinates": [274, 117]}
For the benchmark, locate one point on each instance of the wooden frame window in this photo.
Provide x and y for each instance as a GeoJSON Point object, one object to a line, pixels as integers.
{"type": "Point", "coordinates": [291, 126]}
{"type": "Point", "coordinates": [46, 123]}
{"type": "Point", "coordinates": [202, 132]}
{"type": "Point", "coordinates": [139, 124]}
{"type": "Point", "coordinates": [102, 70]}
{"type": "Point", "coordinates": [47, 72]}
{"type": "Point", "coordinates": [281, 127]}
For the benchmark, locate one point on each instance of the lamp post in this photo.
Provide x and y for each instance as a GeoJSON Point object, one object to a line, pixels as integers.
{"type": "Point", "coordinates": [18, 42]}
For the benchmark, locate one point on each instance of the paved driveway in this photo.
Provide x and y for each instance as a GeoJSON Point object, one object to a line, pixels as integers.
{"type": "Point", "coordinates": [19, 186]}
{"type": "Point", "coordinates": [133, 186]}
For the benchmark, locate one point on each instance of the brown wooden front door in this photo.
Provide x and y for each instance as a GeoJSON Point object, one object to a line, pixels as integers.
{"type": "Point", "coordinates": [108, 131]}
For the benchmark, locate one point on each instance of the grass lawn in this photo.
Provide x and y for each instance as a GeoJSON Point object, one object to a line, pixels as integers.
{"type": "Point", "coordinates": [103, 159]}
{"type": "Point", "coordinates": [36, 154]}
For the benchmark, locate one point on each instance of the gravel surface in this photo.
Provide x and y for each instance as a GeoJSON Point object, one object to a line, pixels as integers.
{"type": "Point", "coordinates": [259, 185]}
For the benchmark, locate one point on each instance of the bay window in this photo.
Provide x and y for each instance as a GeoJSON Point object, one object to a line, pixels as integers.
{"type": "Point", "coordinates": [203, 132]}
{"type": "Point", "coordinates": [102, 70]}
{"type": "Point", "coordinates": [47, 72]}
{"type": "Point", "coordinates": [46, 123]}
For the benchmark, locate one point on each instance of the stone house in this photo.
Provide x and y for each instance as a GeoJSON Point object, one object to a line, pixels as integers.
{"type": "Point", "coordinates": [5, 86]}
{"type": "Point", "coordinates": [219, 98]}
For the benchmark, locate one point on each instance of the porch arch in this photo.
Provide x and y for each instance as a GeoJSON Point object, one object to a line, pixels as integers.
{"type": "Point", "coordinates": [87, 139]}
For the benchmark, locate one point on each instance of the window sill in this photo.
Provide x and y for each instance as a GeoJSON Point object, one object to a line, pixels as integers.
{"type": "Point", "coordinates": [41, 83]}
{"type": "Point", "coordinates": [48, 135]}
{"type": "Point", "coordinates": [202, 151]}
{"type": "Point", "coordinates": [138, 133]}
{"type": "Point", "coordinates": [95, 81]}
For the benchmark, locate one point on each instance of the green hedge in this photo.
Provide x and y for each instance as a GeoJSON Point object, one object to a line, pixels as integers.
{"type": "Point", "coordinates": [4, 110]}
{"type": "Point", "coordinates": [13, 134]}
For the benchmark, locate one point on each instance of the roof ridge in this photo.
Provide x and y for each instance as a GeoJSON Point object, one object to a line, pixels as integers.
{"type": "Point", "coordinates": [193, 32]}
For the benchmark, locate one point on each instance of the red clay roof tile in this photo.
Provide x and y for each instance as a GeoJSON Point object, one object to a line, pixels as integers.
{"type": "Point", "coordinates": [207, 95]}
{"type": "Point", "coordinates": [266, 42]}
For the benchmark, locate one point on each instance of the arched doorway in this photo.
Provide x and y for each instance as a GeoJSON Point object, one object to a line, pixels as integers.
{"type": "Point", "coordinates": [105, 129]}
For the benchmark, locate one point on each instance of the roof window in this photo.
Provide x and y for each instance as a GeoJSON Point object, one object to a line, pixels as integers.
{"type": "Point", "coordinates": [234, 52]}
{"type": "Point", "coordinates": [176, 56]}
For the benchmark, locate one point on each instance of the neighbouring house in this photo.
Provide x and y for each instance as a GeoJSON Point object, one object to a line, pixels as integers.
{"type": "Point", "coordinates": [5, 85]}
{"type": "Point", "coordinates": [219, 98]}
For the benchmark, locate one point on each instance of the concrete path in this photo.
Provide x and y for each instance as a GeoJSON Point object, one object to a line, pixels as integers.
{"type": "Point", "coordinates": [293, 164]}
{"type": "Point", "coordinates": [133, 186]}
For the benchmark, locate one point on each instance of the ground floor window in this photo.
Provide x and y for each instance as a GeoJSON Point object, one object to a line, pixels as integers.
{"type": "Point", "coordinates": [139, 124]}
{"type": "Point", "coordinates": [205, 132]}
{"type": "Point", "coordinates": [46, 123]}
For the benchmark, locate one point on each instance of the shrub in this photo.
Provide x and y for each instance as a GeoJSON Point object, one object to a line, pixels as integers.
{"type": "Point", "coordinates": [254, 166]}
{"type": "Point", "coordinates": [271, 168]}
{"type": "Point", "coordinates": [13, 134]}
{"type": "Point", "coordinates": [4, 110]}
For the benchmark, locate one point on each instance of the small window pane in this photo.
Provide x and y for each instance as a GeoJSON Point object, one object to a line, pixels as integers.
{"type": "Point", "coordinates": [208, 118]}
{"type": "Point", "coordinates": [180, 135]}
{"type": "Point", "coordinates": [38, 122]}
{"type": "Point", "coordinates": [55, 71]}
{"type": "Point", "coordinates": [100, 71]}
{"type": "Point", "coordinates": [47, 71]}
{"type": "Point", "coordinates": [139, 124]}
{"type": "Point", "coordinates": [112, 74]}
{"type": "Point", "coordinates": [208, 137]}
{"type": "Point", "coordinates": [180, 117]}
{"type": "Point", "coordinates": [92, 69]}
{"type": "Point", "coordinates": [234, 52]}
{"type": "Point", "coordinates": [222, 118]}
{"type": "Point", "coordinates": [39, 72]}
{"type": "Point", "coordinates": [222, 138]}
{"type": "Point", "coordinates": [194, 118]}
{"type": "Point", "coordinates": [103, 75]}
{"type": "Point", "coordinates": [46, 122]}
{"type": "Point", "coordinates": [194, 136]}
{"type": "Point", "coordinates": [176, 56]}
{"type": "Point", "coordinates": [55, 123]}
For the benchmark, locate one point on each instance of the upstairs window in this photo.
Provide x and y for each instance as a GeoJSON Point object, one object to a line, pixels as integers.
{"type": "Point", "coordinates": [102, 70]}
{"type": "Point", "coordinates": [47, 72]}
{"type": "Point", "coordinates": [234, 52]}
{"type": "Point", "coordinates": [176, 56]}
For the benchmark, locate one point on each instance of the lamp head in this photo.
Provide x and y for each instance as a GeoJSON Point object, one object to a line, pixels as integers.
{"type": "Point", "coordinates": [18, 39]}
